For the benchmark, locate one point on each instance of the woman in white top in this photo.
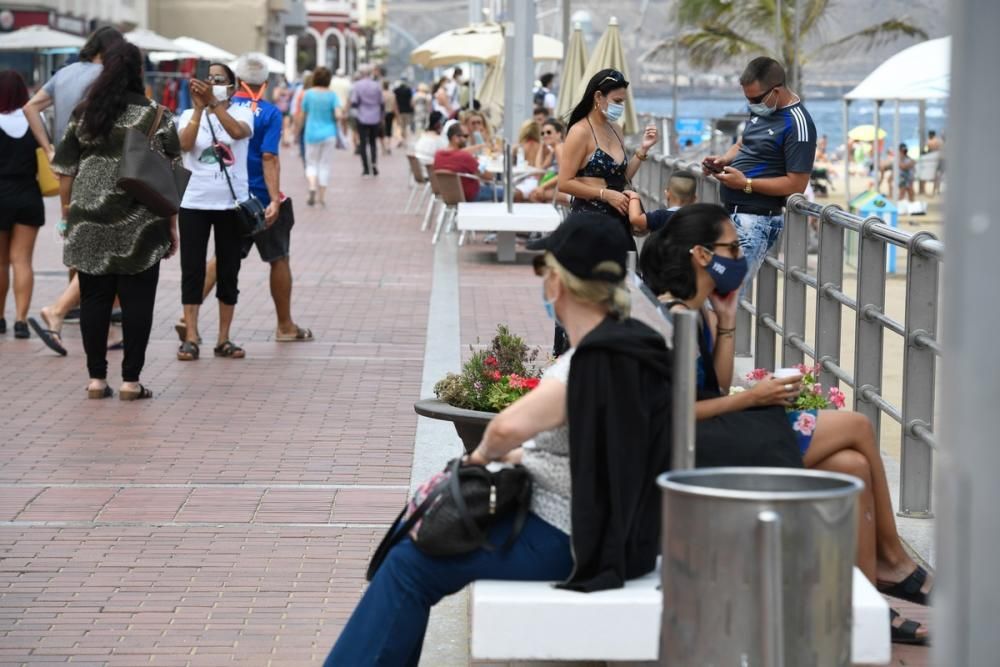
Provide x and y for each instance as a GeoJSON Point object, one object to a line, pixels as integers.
{"type": "Point", "coordinates": [432, 140]}
{"type": "Point", "coordinates": [209, 205]}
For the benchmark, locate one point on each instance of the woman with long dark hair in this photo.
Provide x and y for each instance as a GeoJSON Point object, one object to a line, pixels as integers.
{"type": "Point", "coordinates": [697, 260]}
{"type": "Point", "coordinates": [214, 135]}
{"type": "Point", "coordinates": [595, 168]}
{"type": "Point", "coordinates": [22, 213]}
{"type": "Point", "coordinates": [113, 241]}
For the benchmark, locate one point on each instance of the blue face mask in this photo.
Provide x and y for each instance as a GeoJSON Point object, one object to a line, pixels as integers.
{"type": "Point", "coordinates": [477, 138]}
{"type": "Point", "coordinates": [761, 109]}
{"type": "Point", "coordinates": [614, 112]}
{"type": "Point", "coordinates": [727, 273]}
{"type": "Point", "coordinates": [550, 307]}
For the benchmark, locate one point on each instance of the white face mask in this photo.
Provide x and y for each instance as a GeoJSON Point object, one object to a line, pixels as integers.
{"type": "Point", "coordinates": [221, 93]}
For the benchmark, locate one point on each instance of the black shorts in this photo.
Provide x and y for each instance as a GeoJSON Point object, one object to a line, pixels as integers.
{"type": "Point", "coordinates": [273, 243]}
{"type": "Point", "coordinates": [21, 205]}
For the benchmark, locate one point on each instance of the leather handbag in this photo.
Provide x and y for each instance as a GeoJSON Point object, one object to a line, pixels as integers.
{"type": "Point", "coordinates": [452, 512]}
{"type": "Point", "coordinates": [150, 176]}
{"type": "Point", "coordinates": [249, 212]}
{"type": "Point", "coordinates": [48, 182]}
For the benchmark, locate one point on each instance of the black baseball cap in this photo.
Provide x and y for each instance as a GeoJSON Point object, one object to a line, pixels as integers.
{"type": "Point", "coordinates": [589, 245]}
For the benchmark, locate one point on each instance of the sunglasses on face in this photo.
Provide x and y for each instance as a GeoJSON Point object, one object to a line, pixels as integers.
{"type": "Point", "coordinates": [760, 98]}
{"type": "Point", "coordinates": [218, 80]}
{"type": "Point", "coordinates": [734, 247]}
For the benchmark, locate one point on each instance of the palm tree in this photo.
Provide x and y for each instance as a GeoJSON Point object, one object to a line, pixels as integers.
{"type": "Point", "coordinates": [725, 29]}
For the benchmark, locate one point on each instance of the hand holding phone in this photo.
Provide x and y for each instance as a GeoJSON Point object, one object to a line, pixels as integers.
{"type": "Point", "coordinates": [709, 164]}
{"type": "Point", "coordinates": [201, 70]}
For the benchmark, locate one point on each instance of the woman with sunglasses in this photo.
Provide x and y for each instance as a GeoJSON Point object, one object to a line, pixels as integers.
{"type": "Point", "coordinates": [595, 168]}
{"type": "Point", "coordinates": [213, 136]}
{"type": "Point", "coordinates": [697, 260]}
{"type": "Point", "coordinates": [552, 142]}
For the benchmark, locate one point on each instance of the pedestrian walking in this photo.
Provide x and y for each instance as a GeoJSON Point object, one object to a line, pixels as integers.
{"type": "Point", "coordinates": [366, 99]}
{"type": "Point", "coordinates": [215, 138]}
{"type": "Point", "coordinates": [422, 107]}
{"type": "Point", "coordinates": [773, 159]}
{"type": "Point", "coordinates": [404, 107]}
{"type": "Point", "coordinates": [320, 113]}
{"type": "Point", "coordinates": [391, 111]}
{"type": "Point", "coordinates": [22, 213]}
{"type": "Point", "coordinates": [114, 242]}
{"type": "Point", "coordinates": [62, 93]}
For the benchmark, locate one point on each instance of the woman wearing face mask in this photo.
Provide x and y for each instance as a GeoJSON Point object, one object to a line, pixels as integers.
{"type": "Point", "coordinates": [595, 168]}
{"type": "Point", "coordinates": [609, 397]}
{"type": "Point", "coordinates": [212, 135]}
{"type": "Point", "coordinates": [696, 260]}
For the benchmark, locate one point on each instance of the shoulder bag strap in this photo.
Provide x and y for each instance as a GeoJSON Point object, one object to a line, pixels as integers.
{"type": "Point", "coordinates": [156, 122]}
{"type": "Point", "coordinates": [401, 529]}
{"type": "Point", "coordinates": [523, 507]}
{"type": "Point", "coordinates": [454, 485]}
{"type": "Point", "coordinates": [218, 156]}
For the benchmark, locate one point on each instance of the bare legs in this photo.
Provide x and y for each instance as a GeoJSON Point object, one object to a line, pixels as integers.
{"type": "Point", "coordinates": [281, 294]}
{"type": "Point", "coordinates": [21, 249]}
{"type": "Point", "coordinates": [4, 270]}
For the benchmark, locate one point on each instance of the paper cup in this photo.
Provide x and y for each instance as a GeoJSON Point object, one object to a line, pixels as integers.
{"type": "Point", "coordinates": [786, 373]}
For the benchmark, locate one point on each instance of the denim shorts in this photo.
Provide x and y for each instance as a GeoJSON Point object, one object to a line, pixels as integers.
{"type": "Point", "coordinates": [757, 234]}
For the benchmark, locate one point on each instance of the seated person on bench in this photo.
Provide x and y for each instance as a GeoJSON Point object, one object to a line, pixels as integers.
{"type": "Point", "coordinates": [697, 260]}
{"type": "Point", "coordinates": [611, 390]}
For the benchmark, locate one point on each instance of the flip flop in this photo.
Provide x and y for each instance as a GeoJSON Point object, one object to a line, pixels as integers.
{"type": "Point", "coordinates": [300, 336]}
{"type": "Point", "coordinates": [910, 589]}
{"type": "Point", "coordinates": [106, 392]}
{"type": "Point", "coordinates": [48, 336]}
{"type": "Point", "coordinates": [143, 393]}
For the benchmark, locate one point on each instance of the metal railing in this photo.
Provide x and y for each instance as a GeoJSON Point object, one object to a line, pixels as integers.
{"type": "Point", "coordinates": [760, 326]}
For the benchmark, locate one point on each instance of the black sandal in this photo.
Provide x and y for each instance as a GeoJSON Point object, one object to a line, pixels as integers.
{"type": "Point", "coordinates": [909, 589]}
{"type": "Point", "coordinates": [906, 631]}
{"type": "Point", "coordinates": [51, 338]}
{"type": "Point", "coordinates": [230, 350]}
{"type": "Point", "coordinates": [135, 395]}
{"type": "Point", "coordinates": [106, 392]}
{"type": "Point", "coordinates": [188, 351]}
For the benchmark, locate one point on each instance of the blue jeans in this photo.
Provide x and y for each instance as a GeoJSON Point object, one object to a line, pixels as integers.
{"type": "Point", "coordinates": [388, 625]}
{"type": "Point", "coordinates": [757, 234]}
{"type": "Point", "coordinates": [486, 191]}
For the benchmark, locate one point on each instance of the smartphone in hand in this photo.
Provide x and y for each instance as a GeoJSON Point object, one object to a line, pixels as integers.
{"type": "Point", "coordinates": [712, 166]}
{"type": "Point", "coordinates": [201, 70]}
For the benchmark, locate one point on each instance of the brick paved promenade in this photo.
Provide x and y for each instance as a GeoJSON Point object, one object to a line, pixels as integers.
{"type": "Point", "coordinates": [229, 520]}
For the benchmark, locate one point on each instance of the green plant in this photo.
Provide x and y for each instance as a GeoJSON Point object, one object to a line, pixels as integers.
{"type": "Point", "coordinates": [492, 378]}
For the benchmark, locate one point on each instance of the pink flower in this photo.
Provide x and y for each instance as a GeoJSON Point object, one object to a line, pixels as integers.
{"type": "Point", "coordinates": [757, 374]}
{"type": "Point", "coordinates": [837, 397]}
{"type": "Point", "coordinates": [805, 424]}
{"type": "Point", "coordinates": [818, 389]}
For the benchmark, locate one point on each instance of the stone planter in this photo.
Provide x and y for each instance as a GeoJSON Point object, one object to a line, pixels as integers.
{"type": "Point", "coordinates": [469, 424]}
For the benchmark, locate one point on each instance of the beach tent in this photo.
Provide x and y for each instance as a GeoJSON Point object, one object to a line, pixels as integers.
{"type": "Point", "coordinates": [609, 53]}
{"type": "Point", "coordinates": [916, 74]}
{"type": "Point", "coordinates": [39, 38]}
{"type": "Point", "coordinates": [477, 43]}
{"type": "Point", "coordinates": [571, 78]}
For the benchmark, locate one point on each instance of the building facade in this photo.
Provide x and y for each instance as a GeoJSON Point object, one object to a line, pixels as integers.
{"type": "Point", "coordinates": [78, 17]}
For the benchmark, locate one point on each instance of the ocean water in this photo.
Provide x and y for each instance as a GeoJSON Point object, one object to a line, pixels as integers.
{"type": "Point", "coordinates": [827, 114]}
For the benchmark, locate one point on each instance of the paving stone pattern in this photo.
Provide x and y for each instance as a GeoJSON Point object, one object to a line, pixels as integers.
{"type": "Point", "coordinates": [229, 520]}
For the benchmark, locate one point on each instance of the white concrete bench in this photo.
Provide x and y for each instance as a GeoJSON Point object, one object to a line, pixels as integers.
{"type": "Point", "coordinates": [521, 620]}
{"type": "Point", "coordinates": [493, 217]}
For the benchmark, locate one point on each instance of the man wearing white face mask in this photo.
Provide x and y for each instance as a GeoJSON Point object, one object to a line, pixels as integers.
{"type": "Point", "coordinates": [773, 159]}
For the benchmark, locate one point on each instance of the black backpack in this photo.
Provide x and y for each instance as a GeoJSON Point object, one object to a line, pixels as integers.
{"type": "Point", "coordinates": [539, 98]}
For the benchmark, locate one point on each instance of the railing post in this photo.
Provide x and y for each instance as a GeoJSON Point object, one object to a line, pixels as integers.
{"type": "Point", "coordinates": [793, 319]}
{"type": "Point", "coordinates": [766, 304]}
{"type": "Point", "coordinates": [685, 370]}
{"type": "Point", "coordinates": [829, 275]}
{"type": "Point", "coordinates": [919, 365]}
{"type": "Point", "coordinates": [869, 332]}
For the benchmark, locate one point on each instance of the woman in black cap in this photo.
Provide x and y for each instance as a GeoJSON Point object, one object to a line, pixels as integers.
{"type": "Point", "coordinates": [607, 399]}
{"type": "Point", "coordinates": [595, 168]}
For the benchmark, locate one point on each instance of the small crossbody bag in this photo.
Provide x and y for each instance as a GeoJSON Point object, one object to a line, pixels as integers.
{"type": "Point", "coordinates": [250, 211]}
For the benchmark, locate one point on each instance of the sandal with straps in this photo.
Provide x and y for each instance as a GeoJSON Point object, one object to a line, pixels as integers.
{"type": "Point", "coordinates": [142, 393]}
{"type": "Point", "coordinates": [230, 350]}
{"type": "Point", "coordinates": [188, 351]}
{"type": "Point", "coordinates": [904, 631]}
{"type": "Point", "coordinates": [910, 589]}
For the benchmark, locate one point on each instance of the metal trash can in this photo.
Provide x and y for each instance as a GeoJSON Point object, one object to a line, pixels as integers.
{"type": "Point", "coordinates": [757, 567]}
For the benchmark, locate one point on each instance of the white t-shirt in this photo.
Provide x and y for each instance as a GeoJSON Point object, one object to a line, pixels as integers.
{"type": "Point", "coordinates": [427, 145]}
{"type": "Point", "coordinates": [207, 190]}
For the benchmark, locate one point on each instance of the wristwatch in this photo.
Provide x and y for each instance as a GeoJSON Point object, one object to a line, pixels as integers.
{"type": "Point", "coordinates": [748, 188]}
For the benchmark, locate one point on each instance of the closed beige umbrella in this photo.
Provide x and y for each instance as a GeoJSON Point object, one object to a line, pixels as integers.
{"type": "Point", "coordinates": [572, 83]}
{"type": "Point", "coordinates": [610, 54]}
{"type": "Point", "coordinates": [491, 93]}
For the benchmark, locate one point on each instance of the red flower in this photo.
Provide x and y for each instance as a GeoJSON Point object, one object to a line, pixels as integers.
{"type": "Point", "coordinates": [491, 361]}
{"type": "Point", "coordinates": [495, 375]}
{"type": "Point", "coordinates": [530, 383]}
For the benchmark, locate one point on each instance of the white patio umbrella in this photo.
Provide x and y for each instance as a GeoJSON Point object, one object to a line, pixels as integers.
{"type": "Point", "coordinates": [147, 40]}
{"type": "Point", "coordinates": [39, 38]}
{"type": "Point", "coordinates": [571, 81]}
{"type": "Point", "coordinates": [480, 43]}
{"type": "Point", "coordinates": [193, 48]}
{"type": "Point", "coordinates": [609, 54]}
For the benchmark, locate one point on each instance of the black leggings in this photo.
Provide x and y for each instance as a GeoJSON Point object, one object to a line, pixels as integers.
{"type": "Point", "coordinates": [195, 227]}
{"type": "Point", "coordinates": [369, 137]}
{"type": "Point", "coordinates": [137, 294]}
